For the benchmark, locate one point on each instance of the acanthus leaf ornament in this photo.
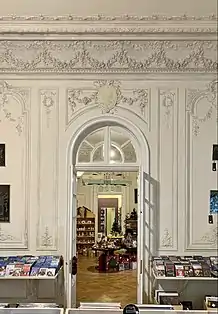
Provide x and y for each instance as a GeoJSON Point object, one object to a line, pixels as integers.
{"type": "Point", "coordinates": [166, 240]}
{"type": "Point", "coordinates": [46, 239]}
{"type": "Point", "coordinates": [108, 95]}
{"type": "Point", "coordinates": [8, 94]}
{"type": "Point", "coordinates": [4, 237]}
{"type": "Point", "coordinates": [211, 237]}
{"type": "Point", "coordinates": [168, 98]}
{"type": "Point", "coordinates": [48, 98]}
{"type": "Point", "coordinates": [194, 96]}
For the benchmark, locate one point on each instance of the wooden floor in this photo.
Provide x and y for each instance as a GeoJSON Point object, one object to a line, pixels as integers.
{"type": "Point", "coordinates": [93, 286]}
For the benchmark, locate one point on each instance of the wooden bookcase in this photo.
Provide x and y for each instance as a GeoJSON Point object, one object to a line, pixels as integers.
{"type": "Point", "coordinates": [85, 231]}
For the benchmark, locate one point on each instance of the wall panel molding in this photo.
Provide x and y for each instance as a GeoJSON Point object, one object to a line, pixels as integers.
{"type": "Point", "coordinates": [48, 152]}
{"type": "Point", "coordinates": [15, 120]}
{"type": "Point", "coordinates": [196, 125]}
{"type": "Point", "coordinates": [168, 167]}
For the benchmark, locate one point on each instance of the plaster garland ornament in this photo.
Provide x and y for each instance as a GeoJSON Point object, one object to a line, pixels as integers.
{"type": "Point", "coordinates": [138, 29]}
{"type": "Point", "coordinates": [166, 240]}
{"type": "Point", "coordinates": [108, 96]}
{"type": "Point", "coordinates": [168, 99]}
{"type": "Point", "coordinates": [125, 24]}
{"type": "Point", "coordinates": [48, 99]}
{"type": "Point", "coordinates": [109, 188]}
{"type": "Point", "coordinates": [211, 236]}
{"type": "Point", "coordinates": [108, 56]}
{"type": "Point", "coordinates": [46, 239]}
{"type": "Point", "coordinates": [5, 237]}
{"type": "Point", "coordinates": [8, 94]}
{"type": "Point", "coordinates": [106, 18]}
{"type": "Point", "coordinates": [194, 96]}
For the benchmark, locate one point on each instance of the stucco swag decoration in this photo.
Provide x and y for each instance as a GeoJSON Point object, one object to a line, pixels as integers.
{"type": "Point", "coordinates": [108, 56]}
{"type": "Point", "coordinates": [193, 98]}
{"type": "Point", "coordinates": [13, 114]}
{"type": "Point", "coordinates": [107, 95]}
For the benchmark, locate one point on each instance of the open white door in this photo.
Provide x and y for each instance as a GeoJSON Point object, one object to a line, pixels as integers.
{"type": "Point", "coordinates": [145, 238]}
{"type": "Point", "coordinates": [140, 268]}
{"type": "Point", "coordinates": [72, 254]}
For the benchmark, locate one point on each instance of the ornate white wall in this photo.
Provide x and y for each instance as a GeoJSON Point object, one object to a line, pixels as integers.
{"type": "Point", "coordinates": [164, 70]}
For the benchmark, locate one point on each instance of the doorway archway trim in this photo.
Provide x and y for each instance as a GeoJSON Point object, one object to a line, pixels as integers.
{"type": "Point", "coordinates": [143, 157]}
{"type": "Point", "coordinates": [138, 138]}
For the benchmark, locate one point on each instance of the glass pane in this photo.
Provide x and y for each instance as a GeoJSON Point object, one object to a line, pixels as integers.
{"type": "Point", "coordinates": [115, 155]}
{"type": "Point", "coordinates": [96, 137]}
{"type": "Point", "coordinates": [98, 154]}
{"type": "Point", "coordinates": [118, 136]}
{"type": "Point", "coordinates": [129, 153]}
{"type": "Point", "coordinates": [84, 154]}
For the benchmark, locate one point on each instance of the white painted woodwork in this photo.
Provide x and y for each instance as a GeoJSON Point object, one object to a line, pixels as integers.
{"type": "Point", "coordinates": [43, 102]}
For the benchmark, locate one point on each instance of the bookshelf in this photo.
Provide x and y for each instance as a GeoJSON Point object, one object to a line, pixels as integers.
{"type": "Point", "coordinates": [85, 233]}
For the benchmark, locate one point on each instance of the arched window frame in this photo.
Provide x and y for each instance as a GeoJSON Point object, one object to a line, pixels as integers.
{"type": "Point", "coordinates": [106, 143]}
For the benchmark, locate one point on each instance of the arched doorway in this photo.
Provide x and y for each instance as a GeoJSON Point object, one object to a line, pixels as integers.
{"type": "Point", "coordinates": [108, 143]}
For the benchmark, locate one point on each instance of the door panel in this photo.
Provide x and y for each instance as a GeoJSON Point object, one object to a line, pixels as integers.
{"type": "Point", "coordinates": [72, 263]}
{"type": "Point", "coordinates": [145, 238]}
{"type": "Point", "coordinates": [103, 205]}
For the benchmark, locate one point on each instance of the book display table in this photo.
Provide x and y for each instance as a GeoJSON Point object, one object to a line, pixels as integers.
{"type": "Point", "coordinates": [31, 279]}
{"type": "Point", "coordinates": [32, 311]}
{"type": "Point", "coordinates": [191, 277]}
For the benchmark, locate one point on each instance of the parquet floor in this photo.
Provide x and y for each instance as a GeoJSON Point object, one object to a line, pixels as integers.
{"type": "Point", "coordinates": [93, 286]}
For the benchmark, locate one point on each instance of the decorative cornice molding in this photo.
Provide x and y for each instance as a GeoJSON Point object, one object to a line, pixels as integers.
{"type": "Point", "coordinates": [98, 29]}
{"type": "Point", "coordinates": [100, 24]}
{"type": "Point", "coordinates": [108, 56]}
{"type": "Point", "coordinates": [105, 18]}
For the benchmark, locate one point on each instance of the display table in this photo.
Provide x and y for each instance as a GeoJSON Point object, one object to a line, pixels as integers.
{"type": "Point", "coordinates": [103, 258]}
{"type": "Point", "coordinates": [141, 311]}
{"type": "Point", "coordinates": [30, 289]}
{"type": "Point", "coordinates": [110, 262]}
{"type": "Point", "coordinates": [190, 288]}
{"type": "Point", "coordinates": [32, 311]}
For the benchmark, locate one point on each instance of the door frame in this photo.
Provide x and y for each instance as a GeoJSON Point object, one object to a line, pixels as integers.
{"type": "Point", "coordinates": [122, 194]}
{"type": "Point", "coordinates": [142, 166]}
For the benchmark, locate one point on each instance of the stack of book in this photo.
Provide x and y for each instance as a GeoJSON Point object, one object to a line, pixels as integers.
{"type": "Point", "coordinates": [16, 266]}
{"type": "Point", "coordinates": [186, 266]}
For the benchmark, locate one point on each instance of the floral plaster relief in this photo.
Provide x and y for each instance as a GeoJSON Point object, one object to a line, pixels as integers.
{"type": "Point", "coordinates": [111, 56]}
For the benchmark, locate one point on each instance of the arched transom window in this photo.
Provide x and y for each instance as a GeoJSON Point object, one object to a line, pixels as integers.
{"type": "Point", "coordinates": [109, 145]}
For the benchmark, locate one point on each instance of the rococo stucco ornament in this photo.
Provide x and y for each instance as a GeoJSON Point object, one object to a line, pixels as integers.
{"type": "Point", "coordinates": [194, 96]}
{"type": "Point", "coordinates": [48, 99]}
{"type": "Point", "coordinates": [166, 240]}
{"type": "Point", "coordinates": [125, 24]}
{"type": "Point", "coordinates": [168, 101]}
{"type": "Point", "coordinates": [108, 56]}
{"type": "Point", "coordinates": [211, 237]}
{"type": "Point", "coordinates": [13, 105]}
{"type": "Point", "coordinates": [107, 95]}
{"type": "Point", "coordinates": [46, 238]}
{"type": "Point", "coordinates": [106, 18]}
{"type": "Point", "coordinates": [4, 236]}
